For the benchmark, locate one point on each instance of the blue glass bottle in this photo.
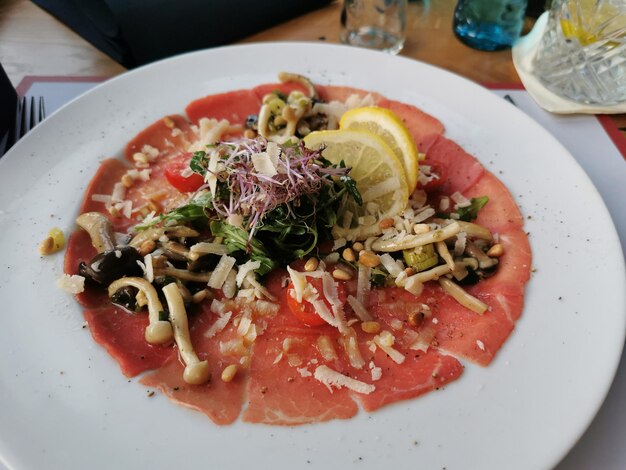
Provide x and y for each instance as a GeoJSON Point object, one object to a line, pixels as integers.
{"type": "Point", "coordinates": [489, 25]}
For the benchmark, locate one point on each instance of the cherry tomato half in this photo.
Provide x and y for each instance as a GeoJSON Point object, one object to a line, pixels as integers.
{"type": "Point", "coordinates": [438, 169]}
{"type": "Point", "coordinates": [304, 310]}
{"type": "Point", "coordinates": [174, 174]}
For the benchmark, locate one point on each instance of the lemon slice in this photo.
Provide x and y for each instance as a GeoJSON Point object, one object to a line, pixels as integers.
{"type": "Point", "coordinates": [387, 125]}
{"type": "Point", "coordinates": [379, 177]}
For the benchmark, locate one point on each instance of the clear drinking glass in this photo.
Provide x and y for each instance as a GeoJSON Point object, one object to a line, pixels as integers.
{"type": "Point", "coordinates": [489, 25]}
{"type": "Point", "coordinates": [582, 54]}
{"type": "Point", "coordinates": [376, 24]}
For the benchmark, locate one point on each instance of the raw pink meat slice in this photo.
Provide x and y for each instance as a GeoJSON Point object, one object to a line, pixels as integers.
{"type": "Point", "coordinates": [170, 135]}
{"type": "Point", "coordinates": [463, 169]}
{"type": "Point", "coordinates": [219, 400]}
{"type": "Point", "coordinates": [234, 106]}
{"type": "Point", "coordinates": [122, 335]}
{"type": "Point", "coordinates": [279, 393]}
{"type": "Point", "coordinates": [501, 212]}
{"type": "Point", "coordinates": [422, 126]}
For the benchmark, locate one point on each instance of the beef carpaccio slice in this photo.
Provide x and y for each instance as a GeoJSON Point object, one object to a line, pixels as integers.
{"type": "Point", "coordinates": [275, 382]}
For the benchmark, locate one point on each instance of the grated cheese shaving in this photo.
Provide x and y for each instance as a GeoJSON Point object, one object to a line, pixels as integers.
{"type": "Point", "coordinates": [332, 378]}
{"type": "Point", "coordinates": [73, 284]}
{"type": "Point", "coordinates": [218, 276]}
{"type": "Point", "coordinates": [359, 310]}
{"type": "Point", "coordinates": [263, 164]}
{"type": "Point", "coordinates": [219, 324]}
{"type": "Point", "coordinates": [244, 269]}
{"type": "Point", "coordinates": [209, 248]}
{"type": "Point", "coordinates": [385, 341]}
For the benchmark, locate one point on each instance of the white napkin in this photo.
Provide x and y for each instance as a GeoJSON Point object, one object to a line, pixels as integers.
{"type": "Point", "coordinates": [524, 52]}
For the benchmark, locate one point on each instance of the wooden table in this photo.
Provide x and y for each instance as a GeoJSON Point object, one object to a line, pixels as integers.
{"type": "Point", "coordinates": [32, 42]}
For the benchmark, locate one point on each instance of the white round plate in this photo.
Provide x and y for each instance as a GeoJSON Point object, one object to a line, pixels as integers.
{"type": "Point", "coordinates": [65, 404]}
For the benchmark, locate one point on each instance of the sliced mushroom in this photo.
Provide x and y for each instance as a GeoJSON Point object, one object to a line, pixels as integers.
{"type": "Point", "coordinates": [461, 296]}
{"type": "Point", "coordinates": [183, 274]}
{"type": "Point", "coordinates": [154, 233]}
{"type": "Point", "coordinates": [99, 228]}
{"type": "Point", "coordinates": [176, 251]}
{"type": "Point", "coordinates": [413, 241]}
{"type": "Point", "coordinates": [286, 77]}
{"type": "Point", "coordinates": [196, 371]}
{"type": "Point", "coordinates": [113, 264]}
{"type": "Point", "coordinates": [484, 261]}
{"type": "Point", "coordinates": [158, 331]}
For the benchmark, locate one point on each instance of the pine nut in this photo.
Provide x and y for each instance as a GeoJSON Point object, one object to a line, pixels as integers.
{"type": "Point", "coordinates": [229, 372]}
{"type": "Point", "coordinates": [496, 251]}
{"type": "Point", "coordinates": [413, 317]}
{"type": "Point", "coordinates": [168, 122]}
{"type": "Point", "coordinates": [127, 181]}
{"type": "Point", "coordinates": [409, 271]}
{"type": "Point", "coordinates": [349, 255]}
{"type": "Point", "coordinates": [311, 264]}
{"type": "Point", "coordinates": [420, 228]}
{"type": "Point", "coordinates": [370, 327]}
{"type": "Point", "coordinates": [369, 258]}
{"type": "Point", "coordinates": [46, 247]}
{"type": "Point", "coordinates": [114, 211]}
{"type": "Point", "coordinates": [147, 247]}
{"type": "Point", "coordinates": [249, 134]}
{"type": "Point", "coordinates": [341, 275]}
{"type": "Point", "coordinates": [358, 246]}
{"type": "Point", "coordinates": [386, 223]}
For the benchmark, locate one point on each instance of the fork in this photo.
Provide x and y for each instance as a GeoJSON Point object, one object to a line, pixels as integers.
{"type": "Point", "coordinates": [26, 119]}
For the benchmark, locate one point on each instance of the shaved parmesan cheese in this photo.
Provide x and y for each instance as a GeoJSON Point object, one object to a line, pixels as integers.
{"type": "Point", "coordinates": [263, 164]}
{"type": "Point", "coordinates": [73, 284]}
{"type": "Point", "coordinates": [211, 175]}
{"type": "Point", "coordinates": [376, 372]}
{"type": "Point", "coordinates": [263, 307]}
{"type": "Point", "coordinates": [105, 198]}
{"type": "Point", "coordinates": [325, 314]}
{"type": "Point", "coordinates": [363, 283]}
{"type": "Point", "coordinates": [330, 377]}
{"type": "Point", "coordinates": [385, 342]}
{"type": "Point", "coordinates": [326, 348]}
{"type": "Point", "coordinates": [218, 307]}
{"type": "Point", "coordinates": [413, 285]}
{"type": "Point", "coordinates": [149, 268]}
{"type": "Point", "coordinates": [460, 243]}
{"type": "Point", "coordinates": [338, 243]}
{"type": "Point", "coordinates": [460, 200]}
{"type": "Point", "coordinates": [229, 288]}
{"type": "Point", "coordinates": [150, 151]}
{"type": "Point", "coordinates": [423, 215]}
{"type": "Point", "coordinates": [304, 372]}
{"type": "Point", "coordinates": [244, 324]}
{"type": "Point", "coordinates": [209, 248]}
{"type": "Point", "coordinates": [119, 192]}
{"type": "Point", "coordinates": [358, 308]}
{"type": "Point", "coordinates": [390, 265]}
{"type": "Point", "coordinates": [273, 152]}
{"type": "Point", "coordinates": [244, 269]}
{"type": "Point", "coordinates": [299, 283]}
{"type": "Point", "coordinates": [260, 289]}
{"type": "Point", "coordinates": [278, 357]}
{"type": "Point", "coordinates": [351, 347]}
{"type": "Point", "coordinates": [219, 325]}
{"type": "Point", "coordinates": [218, 276]}
{"type": "Point", "coordinates": [234, 347]}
